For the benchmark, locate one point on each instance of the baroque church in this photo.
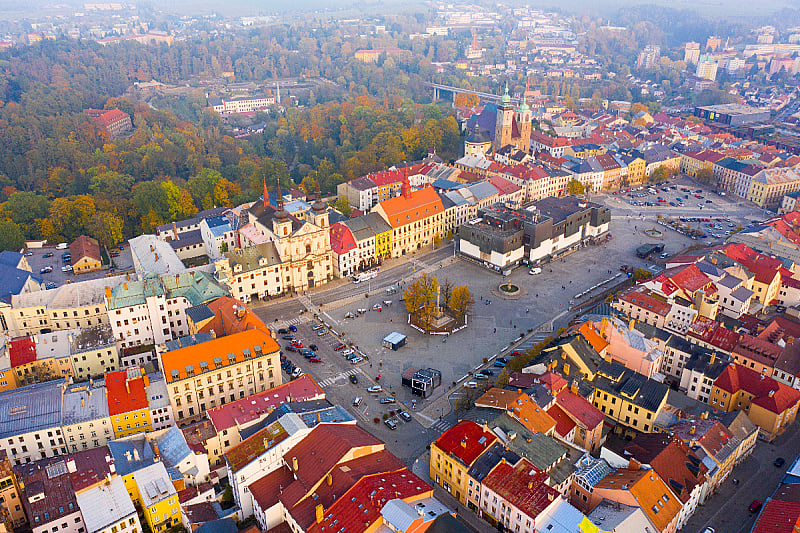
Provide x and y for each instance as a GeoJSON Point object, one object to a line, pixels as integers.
{"type": "Point", "coordinates": [500, 128]}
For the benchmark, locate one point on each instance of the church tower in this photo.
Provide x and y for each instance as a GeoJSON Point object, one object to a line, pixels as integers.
{"type": "Point", "coordinates": [524, 119]}
{"type": "Point", "coordinates": [319, 211]}
{"type": "Point", "coordinates": [504, 123]}
{"type": "Point", "coordinates": [281, 223]}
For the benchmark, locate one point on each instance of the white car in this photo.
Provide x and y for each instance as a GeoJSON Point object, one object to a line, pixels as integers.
{"type": "Point", "coordinates": [375, 389]}
{"type": "Point", "coordinates": [297, 372]}
{"type": "Point", "coordinates": [534, 271]}
{"type": "Point", "coordinates": [356, 360]}
{"type": "Point", "coordinates": [66, 268]}
{"type": "Point", "coordinates": [471, 385]}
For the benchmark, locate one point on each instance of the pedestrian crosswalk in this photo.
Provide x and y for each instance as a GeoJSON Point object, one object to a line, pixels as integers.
{"type": "Point", "coordinates": [296, 321]}
{"type": "Point", "coordinates": [441, 426]}
{"type": "Point", "coordinates": [327, 382]}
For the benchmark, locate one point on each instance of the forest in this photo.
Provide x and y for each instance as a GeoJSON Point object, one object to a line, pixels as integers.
{"type": "Point", "coordinates": [62, 176]}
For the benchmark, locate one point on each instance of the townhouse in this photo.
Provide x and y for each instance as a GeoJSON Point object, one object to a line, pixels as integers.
{"type": "Point", "coordinates": [416, 217]}
{"type": "Point", "coordinates": [454, 452]}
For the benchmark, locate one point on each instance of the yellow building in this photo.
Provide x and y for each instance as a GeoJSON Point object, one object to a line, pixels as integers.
{"type": "Point", "coordinates": [453, 454]}
{"type": "Point", "coordinates": [208, 374]}
{"type": "Point", "coordinates": [636, 170]}
{"type": "Point", "coordinates": [416, 217]}
{"type": "Point", "coordinates": [770, 404]}
{"type": "Point", "coordinates": [127, 402]}
{"type": "Point", "coordinates": [8, 379]}
{"type": "Point", "coordinates": [584, 151]}
{"type": "Point", "coordinates": [10, 503]}
{"type": "Point", "coordinates": [94, 352]}
{"type": "Point", "coordinates": [34, 361]}
{"type": "Point", "coordinates": [158, 497]}
{"type": "Point", "coordinates": [693, 162]}
{"type": "Point", "coordinates": [769, 185]}
{"type": "Point", "coordinates": [628, 398]}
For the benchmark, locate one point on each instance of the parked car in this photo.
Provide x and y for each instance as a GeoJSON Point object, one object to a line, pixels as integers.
{"type": "Point", "coordinates": [287, 337]}
{"type": "Point", "coordinates": [471, 385]}
{"type": "Point", "coordinates": [755, 506]}
{"type": "Point", "coordinates": [114, 253]}
{"type": "Point", "coordinates": [347, 352]}
{"type": "Point", "coordinates": [375, 389]}
{"type": "Point", "coordinates": [388, 399]}
{"type": "Point", "coordinates": [297, 344]}
{"type": "Point", "coordinates": [534, 271]}
{"type": "Point", "coordinates": [297, 372]}
{"type": "Point", "coordinates": [504, 360]}
{"type": "Point", "coordinates": [354, 379]}
{"type": "Point", "coordinates": [357, 401]}
{"type": "Point", "coordinates": [292, 328]}
{"type": "Point", "coordinates": [53, 285]}
{"type": "Point", "coordinates": [318, 327]}
{"type": "Point", "coordinates": [340, 346]}
{"type": "Point", "coordinates": [779, 462]}
{"type": "Point", "coordinates": [291, 349]}
{"type": "Point", "coordinates": [313, 347]}
{"type": "Point", "coordinates": [356, 360]}
{"type": "Point", "coordinates": [315, 359]}
{"type": "Point", "coordinates": [405, 416]}
{"type": "Point", "coordinates": [321, 332]}
{"type": "Point", "coordinates": [349, 315]}
{"type": "Point", "coordinates": [481, 376]}
{"type": "Point", "coordinates": [499, 364]}
{"type": "Point", "coordinates": [66, 268]}
{"type": "Point", "coordinates": [46, 270]}
{"type": "Point", "coordinates": [48, 254]}
{"type": "Point", "coordinates": [283, 331]}
{"type": "Point", "coordinates": [488, 372]}
{"type": "Point", "coordinates": [391, 424]}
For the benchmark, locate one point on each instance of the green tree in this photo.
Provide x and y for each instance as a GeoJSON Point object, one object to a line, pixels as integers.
{"type": "Point", "coordinates": [202, 185]}
{"type": "Point", "coordinates": [107, 228]}
{"type": "Point", "coordinates": [575, 187]}
{"type": "Point", "coordinates": [11, 236]}
{"type": "Point", "coordinates": [25, 207]}
{"type": "Point", "coordinates": [343, 206]}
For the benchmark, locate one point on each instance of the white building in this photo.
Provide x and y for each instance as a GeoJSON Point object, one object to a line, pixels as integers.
{"type": "Point", "coordinates": [152, 255]}
{"type": "Point", "coordinates": [161, 415]}
{"type": "Point", "coordinates": [107, 508]}
{"type": "Point", "coordinates": [218, 236]}
{"type": "Point", "coordinates": [152, 311]}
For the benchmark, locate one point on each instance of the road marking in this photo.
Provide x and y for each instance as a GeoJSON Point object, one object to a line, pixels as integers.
{"type": "Point", "coordinates": [423, 416]}
{"type": "Point", "coordinates": [330, 381]}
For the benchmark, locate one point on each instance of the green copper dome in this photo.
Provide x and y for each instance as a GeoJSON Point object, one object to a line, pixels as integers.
{"type": "Point", "coordinates": [506, 99]}
{"type": "Point", "coordinates": [524, 107]}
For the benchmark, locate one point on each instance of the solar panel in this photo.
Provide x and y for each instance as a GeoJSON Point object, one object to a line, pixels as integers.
{"type": "Point", "coordinates": [162, 486]}
{"type": "Point", "coordinates": [56, 469]}
{"type": "Point", "coordinates": [150, 488]}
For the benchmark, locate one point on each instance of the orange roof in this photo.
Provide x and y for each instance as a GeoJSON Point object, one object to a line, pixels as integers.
{"type": "Point", "coordinates": [590, 334]}
{"type": "Point", "coordinates": [497, 398]}
{"type": "Point", "coordinates": [125, 394]}
{"type": "Point", "coordinates": [418, 205]}
{"type": "Point", "coordinates": [216, 353]}
{"type": "Point", "coordinates": [531, 415]}
{"type": "Point", "coordinates": [654, 497]}
{"type": "Point", "coordinates": [226, 320]}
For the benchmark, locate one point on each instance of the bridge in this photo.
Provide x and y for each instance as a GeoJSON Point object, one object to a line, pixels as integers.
{"type": "Point", "coordinates": [438, 88]}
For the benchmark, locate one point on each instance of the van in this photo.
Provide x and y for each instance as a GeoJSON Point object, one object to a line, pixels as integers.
{"type": "Point", "coordinates": [61, 246]}
{"type": "Point", "coordinates": [357, 401]}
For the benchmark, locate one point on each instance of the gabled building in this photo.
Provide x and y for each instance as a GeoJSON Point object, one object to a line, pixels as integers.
{"type": "Point", "coordinates": [515, 495]}
{"type": "Point", "coordinates": [85, 254]}
{"type": "Point", "coordinates": [453, 454]}
{"type": "Point", "coordinates": [416, 218]}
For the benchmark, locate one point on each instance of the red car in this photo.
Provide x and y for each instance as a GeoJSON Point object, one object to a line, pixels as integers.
{"type": "Point", "coordinates": [297, 344]}
{"type": "Point", "coordinates": [514, 353]}
{"type": "Point", "coordinates": [340, 346]}
{"type": "Point", "coordinates": [315, 360]}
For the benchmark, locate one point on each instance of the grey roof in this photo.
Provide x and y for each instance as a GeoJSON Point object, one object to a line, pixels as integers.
{"type": "Point", "coordinates": [84, 402]}
{"type": "Point", "coordinates": [482, 189]}
{"type": "Point", "coordinates": [707, 268]}
{"type": "Point", "coordinates": [614, 516]}
{"type": "Point", "coordinates": [543, 451]}
{"type": "Point", "coordinates": [12, 259]}
{"type": "Point", "coordinates": [634, 387]}
{"type": "Point", "coordinates": [362, 184]}
{"type": "Point", "coordinates": [456, 198]}
{"type": "Point", "coordinates": [251, 258]}
{"type": "Point", "coordinates": [700, 361]}
{"type": "Point", "coordinates": [105, 504]}
{"type": "Point", "coordinates": [442, 172]}
{"type": "Point", "coordinates": [400, 514]}
{"type": "Point", "coordinates": [729, 281]}
{"type": "Point", "coordinates": [479, 136]}
{"type": "Point", "coordinates": [131, 453]}
{"type": "Point", "coordinates": [680, 344]}
{"type": "Point", "coordinates": [738, 423]}
{"type": "Point", "coordinates": [172, 446]}
{"type": "Point", "coordinates": [442, 183]}
{"type": "Point", "coordinates": [491, 458]}
{"type": "Point", "coordinates": [188, 340]}
{"type": "Point", "coordinates": [742, 294]}
{"type": "Point", "coordinates": [199, 313]}
{"type": "Point", "coordinates": [30, 408]}
{"type": "Point", "coordinates": [187, 238]}
{"type": "Point", "coordinates": [213, 102]}
{"type": "Point", "coordinates": [154, 483]}
{"type": "Point", "coordinates": [222, 525]}
{"type": "Point", "coordinates": [359, 227]}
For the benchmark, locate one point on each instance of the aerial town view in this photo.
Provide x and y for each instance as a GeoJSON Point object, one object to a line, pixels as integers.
{"type": "Point", "coordinates": [382, 267]}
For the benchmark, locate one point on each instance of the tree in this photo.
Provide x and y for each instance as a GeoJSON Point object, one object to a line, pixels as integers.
{"type": "Point", "coordinates": [343, 206]}
{"type": "Point", "coordinates": [420, 298]}
{"type": "Point", "coordinates": [446, 292]}
{"type": "Point", "coordinates": [575, 187]}
{"type": "Point", "coordinates": [662, 173]}
{"type": "Point", "coordinates": [461, 302]}
{"type": "Point", "coordinates": [202, 185]}
{"type": "Point", "coordinates": [704, 175]}
{"type": "Point", "coordinates": [641, 274]}
{"type": "Point", "coordinates": [107, 228]}
{"type": "Point", "coordinates": [466, 100]}
{"type": "Point", "coordinates": [25, 207]}
{"type": "Point", "coordinates": [11, 236]}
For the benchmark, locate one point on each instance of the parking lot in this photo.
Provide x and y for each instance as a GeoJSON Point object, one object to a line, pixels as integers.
{"type": "Point", "coordinates": [47, 263]}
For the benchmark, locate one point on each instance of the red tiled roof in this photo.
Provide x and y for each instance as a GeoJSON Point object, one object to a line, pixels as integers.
{"type": "Point", "coordinates": [503, 185]}
{"type": "Point", "coordinates": [465, 441]}
{"type": "Point", "coordinates": [360, 507]}
{"type": "Point", "coordinates": [564, 424]}
{"type": "Point", "coordinates": [125, 394]}
{"type": "Point", "coordinates": [778, 516]}
{"type": "Point", "coordinates": [342, 477]}
{"type": "Point", "coordinates": [712, 332]}
{"type": "Point", "coordinates": [110, 117]}
{"type": "Point", "coordinates": [84, 246]}
{"type": "Point", "coordinates": [757, 349]}
{"type": "Point", "coordinates": [22, 351]}
{"type": "Point", "coordinates": [324, 447]}
{"type": "Point", "coordinates": [523, 486]}
{"type": "Point", "coordinates": [690, 279]}
{"type": "Point", "coordinates": [580, 409]}
{"type": "Point", "coordinates": [342, 240]}
{"type": "Point", "coordinates": [768, 393]}
{"type": "Point", "coordinates": [268, 489]}
{"type": "Point", "coordinates": [254, 446]}
{"type": "Point", "coordinates": [554, 382]}
{"type": "Point", "coordinates": [240, 412]}
{"type": "Point", "coordinates": [646, 302]}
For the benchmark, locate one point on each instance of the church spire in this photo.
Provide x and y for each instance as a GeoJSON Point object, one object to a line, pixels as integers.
{"type": "Point", "coordinates": [318, 206]}
{"type": "Point", "coordinates": [265, 193]}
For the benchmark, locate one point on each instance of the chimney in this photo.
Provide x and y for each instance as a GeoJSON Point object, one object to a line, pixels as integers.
{"type": "Point", "coordinates": [175, 230]}
{"type": "Point", "coordinates": [530, 484]}
{"type": "Point", "coordinates": [135, 454]}
{"type": "Point", "coordinates": [127, 386]}
{"type": "Point", "coordinates": [713, 357]}
{"type": "Point", "coordinates": [320, 512]}
{"type": "Point", "coordinates": [565, 370]}
{"type": "Point", "coordinates": [551, 496]}
{"type": "Point", "coordinates": [771, 393]}
{"type": "Point", "coordinates": [330, 479]}
{"type": "Point", "coordinates": [108, 292]}
{"type": "Point", "coordinates": [71, 465]}
{"type": "Point", "coordinates": [634, 465]}
{"type": "Point", "coordinates": [463, 443]}
{"type": "Point", "coordinates": [692, 430]}
{"type": "Point", "coordinates": [83, 402]}
{"type": "Point", "coordinates": [603, 326]}
{"type": "Point", "coordinates": [126, 286]}
{"type": "Point", "coordinates": [704, 415]}
{"type": "Point", "coordinates": [156, 257]}
{"type": "Point", "coordinates": [294, 464]}
{"type": "Point", "coordinates": [152, 249]}
{"type": "Point", "coordinates": [155, 448]}
{"type": "Point", "coordinates": [573, 387]}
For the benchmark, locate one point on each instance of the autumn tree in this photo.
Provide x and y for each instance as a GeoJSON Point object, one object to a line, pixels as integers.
{"type": "Point", "coordinates": [343, 206]}
{"type": "Point", "coordinates": [575, 187]}
{"type": "Point", "coordinates": [662, 173]}
{"type": "Point", "coordinates": [466, 100]}
{"type": "Point", "coordinates": [107, 228]}
{"type": "Point", "coordinates": [704, 175]}
{"type": "Point", "coordinates": [461, 302]}
{"type": "Point", "coordinates": [446, 292]}
{"type": "Point", "coordinates": [420, 298]}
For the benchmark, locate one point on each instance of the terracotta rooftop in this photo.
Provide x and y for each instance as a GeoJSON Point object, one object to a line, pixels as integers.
{"type": "Point", "coordinates": [564, 424]}
{"type": "Point", "coordinates": [466, 441]}
{"type": "Point", "coordinates": [778, 516]}
{"type": "Point", "coordinates": [523, 486]}
{"type": "Point", "coordinates": [497, 398]}
{"type": "Point", "coordinates": [646, 302]}
{"type": "Point", "coordinates": [230, 316]}
{"type": "Point", "coordinates": [125, 394]}
{"type": "Point", "coordinates": [418, 205]}
{"type": "Point", "coordinates": [756, 349]}
{"type": "Point", "coordinates": [577, 407]}
{"type": "Point", "coordinates": [768, 393]}
{"type": "Point", "coordinates": [241, 412]}
{"type": "Point", "coordinates": [22, 351]}
{"type": "Point", "coordinates": [84, 246]}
